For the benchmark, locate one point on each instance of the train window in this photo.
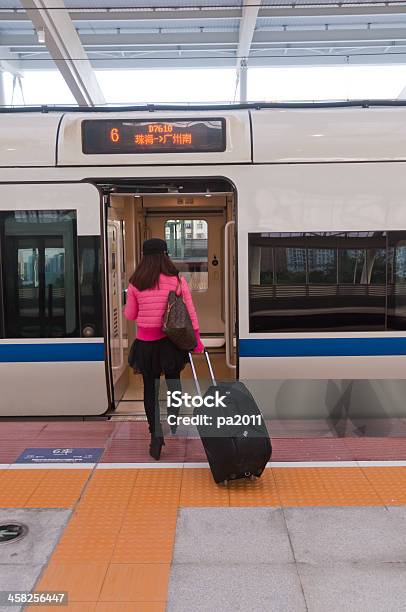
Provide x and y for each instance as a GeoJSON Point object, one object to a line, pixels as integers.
{"type": "Point", "coordinates": [187, 247]}
{"type": "Point", "coordinates": [39, 274]}
{"type": "Point", "coordinates": [326, 281]}
{"type": "Point", "coordinates": [397, 280]}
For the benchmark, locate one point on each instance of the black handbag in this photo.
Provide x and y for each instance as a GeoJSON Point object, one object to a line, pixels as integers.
{"type": "Point", "coordinates": [177, 323]}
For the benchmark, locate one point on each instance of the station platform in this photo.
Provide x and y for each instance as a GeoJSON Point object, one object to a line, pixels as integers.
{"type": "Point", "coordinates": [322, 529]}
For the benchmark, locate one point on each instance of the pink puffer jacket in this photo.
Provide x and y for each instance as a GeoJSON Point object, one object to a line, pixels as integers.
{"type": "Point", "coordinates": [148, 307]}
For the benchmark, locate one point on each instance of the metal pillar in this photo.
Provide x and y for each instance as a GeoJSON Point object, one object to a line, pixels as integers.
{"type": "Point", "coordinates": [2, 90]}
{"type": "Point", "coordinates": [242, 79]}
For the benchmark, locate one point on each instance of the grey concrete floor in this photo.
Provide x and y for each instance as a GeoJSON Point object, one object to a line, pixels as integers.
{"type": "Point", "coordinates": [273, 560]}
{"type": "Point", "coordinates": [22, 561]}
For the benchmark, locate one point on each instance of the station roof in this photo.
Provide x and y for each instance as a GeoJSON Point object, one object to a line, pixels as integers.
{"type": "Point", "coordinates": [127, 34]}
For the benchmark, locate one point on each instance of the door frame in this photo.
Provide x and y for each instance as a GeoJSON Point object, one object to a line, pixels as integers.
{"type": "Point", "coordinates": [104, 202]}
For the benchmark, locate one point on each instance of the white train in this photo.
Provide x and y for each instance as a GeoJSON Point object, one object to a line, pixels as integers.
{"type": "Point", "coordinates": [289, 222]}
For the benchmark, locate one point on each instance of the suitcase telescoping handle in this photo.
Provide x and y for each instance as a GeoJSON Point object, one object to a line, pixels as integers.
{"type": "Point", "coordinates": [192, 365]}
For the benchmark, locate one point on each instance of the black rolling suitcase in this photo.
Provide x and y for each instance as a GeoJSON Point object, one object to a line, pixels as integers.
{"type": "Point", "coordinates": [237, 446]}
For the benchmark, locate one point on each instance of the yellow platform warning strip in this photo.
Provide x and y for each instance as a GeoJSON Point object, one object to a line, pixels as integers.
{"type": "Point", "coordinates": [116, 551]}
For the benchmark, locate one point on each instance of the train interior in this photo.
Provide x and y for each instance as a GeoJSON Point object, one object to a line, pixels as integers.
{"type": "Point", "coordinates": [197, 219]}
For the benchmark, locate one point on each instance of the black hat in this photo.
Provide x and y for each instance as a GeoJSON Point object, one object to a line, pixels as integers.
{"type": "Point", "coordinates": [154, 246]}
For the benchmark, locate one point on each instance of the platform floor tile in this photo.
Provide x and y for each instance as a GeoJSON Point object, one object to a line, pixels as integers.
{"type": "Point", "coordinates": [260, 492]}
{"type": "Point", "coordinates": [13, 579]}
{"type": "Point", "coordinates": [58, 489]}
{"type": "Point", "coordinates": [205, 588]}
{"type": "Point", "coordinates": [360, 535]}
{"type": "Point", "coordinates": [17, 486]}
{"type": "Point", "coordinates": [137, 582]}
{"type": "Point", "coordinates": [231, 536]}
{"type": "Point", "coordinates": [389, 483]}
{"type": "Point", "coordinates": [353, 588]}
{"type": "Point", "coordinates": [147, 535]}
{"type": "Point", "coordinates": [301, 487]}
{"type": "Point", "coordinates": [157, 487]}
{"type": "Point", "coordinates": [44, 529]}
{"type": "Point", "coordinates": [349, 487]}
{"type": "Point", "coordinates": [82, 581]}
{"type": "Point", "coordinates": [198, 489]}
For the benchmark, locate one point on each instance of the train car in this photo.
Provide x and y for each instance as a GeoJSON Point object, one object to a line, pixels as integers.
{"type": "Point", "coordinates": [289, 221]}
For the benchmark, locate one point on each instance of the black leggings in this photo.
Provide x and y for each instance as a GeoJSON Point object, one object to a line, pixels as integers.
{"type": "Point", "coordinates": [151, 399]}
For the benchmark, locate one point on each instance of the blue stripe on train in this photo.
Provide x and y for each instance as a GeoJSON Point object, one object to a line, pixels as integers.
{"type": "Point", "coordinates": [321, 347]}
{"type": "Point", "coordinates": [69, 351]}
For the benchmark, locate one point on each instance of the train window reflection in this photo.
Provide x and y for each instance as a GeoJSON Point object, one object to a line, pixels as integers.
{"type": "Point", "coordinates": [397, 281]}
{"type": "Point", "coordinates": [323, 281]}
{"type": "Point", "coordinates": [322, 265]}
{"type": "Point", "coordinates": [187, 247]}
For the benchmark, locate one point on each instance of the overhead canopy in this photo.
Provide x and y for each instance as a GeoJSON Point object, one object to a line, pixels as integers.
{"type": "Point", "coordinates": [203, 33]}
{"type": "Point", "coordinates": [197, 33]}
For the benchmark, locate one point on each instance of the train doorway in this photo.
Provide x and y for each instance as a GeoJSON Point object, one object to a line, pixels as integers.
{"type": "Point", "coordinates": [197, 220]}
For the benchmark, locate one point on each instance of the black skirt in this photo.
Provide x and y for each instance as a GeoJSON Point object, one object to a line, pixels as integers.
{"type": "Point", "coordinates": [156, 357]}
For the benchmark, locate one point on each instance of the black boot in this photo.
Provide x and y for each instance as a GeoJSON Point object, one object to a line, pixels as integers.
{"type": "Point", "coordinates": [157, 442]}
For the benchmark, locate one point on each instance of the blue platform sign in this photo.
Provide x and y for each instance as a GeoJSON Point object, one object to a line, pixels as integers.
{"type": "Point", "coordinates": [60, 455]}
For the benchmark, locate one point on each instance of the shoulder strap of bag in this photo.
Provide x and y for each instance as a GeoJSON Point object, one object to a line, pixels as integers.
{"type": "Point", "coordinates": [179, 286]}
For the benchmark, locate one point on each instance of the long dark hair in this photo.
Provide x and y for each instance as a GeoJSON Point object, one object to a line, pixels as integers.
{"type": "Point", "coordinates": [146, 275]}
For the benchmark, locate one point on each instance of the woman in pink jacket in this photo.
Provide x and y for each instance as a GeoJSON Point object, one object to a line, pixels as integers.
{"type": "Point", "coordinates": [153, 353]}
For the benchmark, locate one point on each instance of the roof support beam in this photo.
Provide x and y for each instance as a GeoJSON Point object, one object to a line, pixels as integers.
{"type": "Point", "coordinates": [159, 14]}
{"type": "Point", "coordinates": [347, 57]}
{"type": "Point", "coordinates": [248, 21]}
{"type": "Point", "coordinates": [218, 39]}
{"type": "Point", "coordinates": [66, 49]}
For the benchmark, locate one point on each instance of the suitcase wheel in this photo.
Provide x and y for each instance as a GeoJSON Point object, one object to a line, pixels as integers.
{"type": "Point", "coordinates": [224, 483]}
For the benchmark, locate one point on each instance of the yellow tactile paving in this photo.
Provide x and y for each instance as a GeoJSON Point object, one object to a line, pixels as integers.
{"type": "Point", "coordinates": [87, 546]}
{"type": "Point", "coordinates": [157, 487]}
{"type": "Point", "coordinates": [259, 492]}
{"type": "Point", "coordinates": [147, 536]}
{"type": "Point", "coordinates": [17, 486]}
{"type": "Point", "coordinates": [115, 553]}
{"type": "Point", "coordinates": [58, 489]}
{"type": "Point", "coordinates": [111, 486]}
{"type": "Point", "coordinates": [389, 484]}
{"type": "Point", "coordinates": [348, 487]}
{"type": "Point", "coordinates": [301, 487]}
{"type": "Point", "coordinates": [198, 489]}
{"type": "Point", "coordinates": [82, 581]}
{"type": "Point", "coordinates": [97, 517]}
{"type": "Point", "coordinates": [138, 582]}
{"type": "Point", "coordinates": [107, 497]}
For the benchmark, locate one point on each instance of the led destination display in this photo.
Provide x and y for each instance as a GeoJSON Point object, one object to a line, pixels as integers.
{"type": "Point", "coordinates": [162, 136]}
